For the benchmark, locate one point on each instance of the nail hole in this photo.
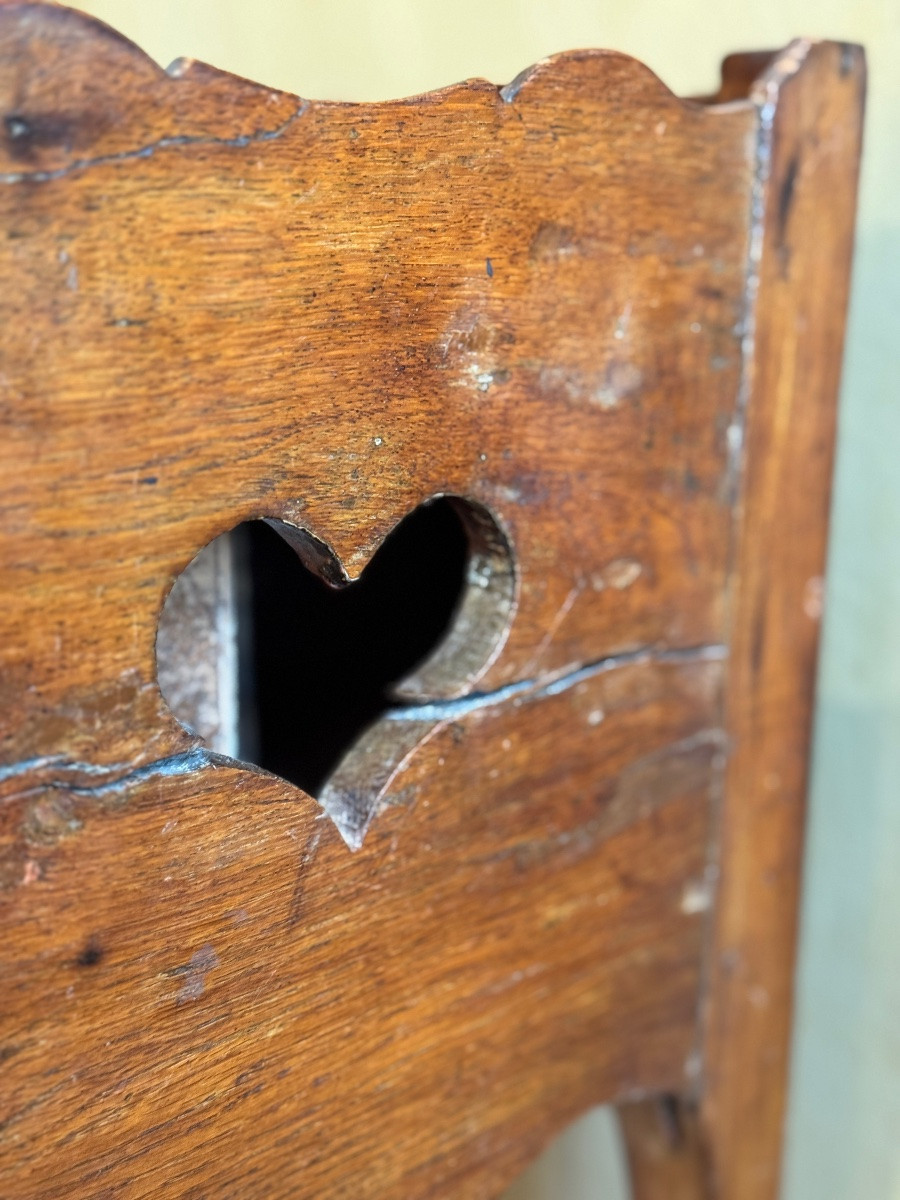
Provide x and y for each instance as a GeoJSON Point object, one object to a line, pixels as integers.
{"type": "Point", "coordinates": [91, 953]}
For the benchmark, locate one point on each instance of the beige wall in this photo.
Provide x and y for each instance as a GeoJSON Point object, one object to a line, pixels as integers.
{"type": "Point", "coordinates": [844, 1141]}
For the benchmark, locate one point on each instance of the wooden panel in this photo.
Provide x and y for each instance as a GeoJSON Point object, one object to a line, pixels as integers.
{"type": "Point", "coordinates": [229, 303]}
{"type": "Point", "coordinates": [336, 316]}
{"type": "Point", "coordinates": [207, 993]}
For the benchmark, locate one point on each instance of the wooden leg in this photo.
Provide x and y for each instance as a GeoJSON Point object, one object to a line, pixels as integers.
{"type": "Point", "coordinates": [664, 1148]}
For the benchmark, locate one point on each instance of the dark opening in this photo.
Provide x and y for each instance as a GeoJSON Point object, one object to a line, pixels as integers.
{"type": "Point", "coordinates": [317, 663]}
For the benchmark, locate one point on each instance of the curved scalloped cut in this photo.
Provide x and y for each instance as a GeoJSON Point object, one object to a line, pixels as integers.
{"type": "Point", "coordinates": [122, 104]}
{"type": "Point", "coordinates": [72, 91]}
{"type": "Point", "coordinates": [592, 71]}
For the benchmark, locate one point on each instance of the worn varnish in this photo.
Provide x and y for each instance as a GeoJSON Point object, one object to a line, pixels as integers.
{"type": "Point", "coordinates": [604, 319]}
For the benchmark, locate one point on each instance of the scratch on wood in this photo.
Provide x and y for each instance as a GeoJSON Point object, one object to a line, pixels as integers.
{"type": "Point", "coordinates": [194, 974]}
{"type": "Point", "coordinates": [306, 860]}
{"type": "Point", "coordinates": [563, 611]}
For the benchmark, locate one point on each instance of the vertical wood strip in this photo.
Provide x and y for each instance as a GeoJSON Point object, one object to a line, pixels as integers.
{"type": "Point", "coordinates": [665, 1150]}
{"type": "Point", "coordinates": [197, 647]}
{"type": "Point", "coordinates": [810, 104]}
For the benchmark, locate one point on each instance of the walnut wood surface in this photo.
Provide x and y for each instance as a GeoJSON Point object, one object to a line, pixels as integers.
{"type": "Point", "coordinates": [666, 1150]}
{"type": "Point", "coordinates": [222, 303]}
{"type": "Point", "coordinates": [808, 201]}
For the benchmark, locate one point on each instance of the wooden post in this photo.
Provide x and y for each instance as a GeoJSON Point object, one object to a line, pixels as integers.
{"type": "Point", "coordinates": [810, 103]}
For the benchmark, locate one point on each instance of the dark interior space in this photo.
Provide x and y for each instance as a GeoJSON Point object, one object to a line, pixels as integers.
{"type": "Point", "coordinates": [317, 663]}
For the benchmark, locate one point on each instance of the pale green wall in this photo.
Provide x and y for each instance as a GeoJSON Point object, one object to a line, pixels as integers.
{"type": "Point", "coordinates": [844, 1136]}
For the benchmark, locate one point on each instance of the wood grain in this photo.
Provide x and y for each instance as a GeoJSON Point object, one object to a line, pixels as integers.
{"type": "Point", "coordinates": [236, 1002]}
{"type": "Point", "coordinates": [666, 1150]}
{"type": "Point", "coordinates": [311, 318]}
{"type": "Point", "coordinates": [807, 202]}
{"type": "Point", "coordinates": [226, 303]}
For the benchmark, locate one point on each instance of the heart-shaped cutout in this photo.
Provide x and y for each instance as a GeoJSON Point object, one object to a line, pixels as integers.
{"type": "Point", "coordinates": [272, 656]}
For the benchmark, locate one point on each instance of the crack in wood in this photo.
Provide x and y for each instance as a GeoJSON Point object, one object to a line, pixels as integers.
{"type": "Point", "coordinates": [165, 143]}
{"type": "Point", "coordinates": [551, 684]}
{"type": "Point", "coordinates": [429, 717]}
